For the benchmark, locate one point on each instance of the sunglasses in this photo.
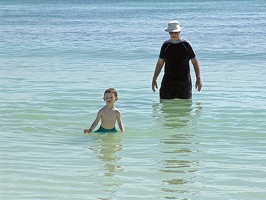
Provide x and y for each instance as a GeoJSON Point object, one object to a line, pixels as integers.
{"type": "Point", "coordinates": [174, 32]}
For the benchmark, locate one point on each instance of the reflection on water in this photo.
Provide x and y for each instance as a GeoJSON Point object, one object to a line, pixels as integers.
{"type": "Point", "coordinates": [106, 147]}
{"type": "Point", "coordinates": [109, 146]}
{"type": "Point", "coordinates": [180, 165]}
{"type": "Point", "coordinates": [178, 149]}
{"type": "Point", "coordinates": [175, 113]}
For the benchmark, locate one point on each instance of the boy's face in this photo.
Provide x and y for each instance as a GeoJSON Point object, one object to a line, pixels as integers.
{"type": "Point", "coordinates": [109, 98]}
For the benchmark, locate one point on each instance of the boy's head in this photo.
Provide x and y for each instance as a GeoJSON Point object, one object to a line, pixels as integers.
{"type": "Point", "coordinates": [110, 95]}
{"type": "Point", "coordinates": [112, 91]}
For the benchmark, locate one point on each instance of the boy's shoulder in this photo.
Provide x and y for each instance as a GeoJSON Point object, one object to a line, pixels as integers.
{"type": "Point", "coordinates": [106, 110]}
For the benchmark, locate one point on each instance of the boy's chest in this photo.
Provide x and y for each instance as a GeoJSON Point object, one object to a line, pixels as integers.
{"type": "Point", "coordinates": [110, 115]}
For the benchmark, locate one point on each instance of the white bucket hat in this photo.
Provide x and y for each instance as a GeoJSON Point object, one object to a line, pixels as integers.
{"type": "Point", "coordinates": [174, 26]}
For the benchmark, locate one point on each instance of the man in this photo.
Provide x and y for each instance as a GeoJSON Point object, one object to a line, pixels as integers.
{"type": "Point", "coordinates": [175, 55]}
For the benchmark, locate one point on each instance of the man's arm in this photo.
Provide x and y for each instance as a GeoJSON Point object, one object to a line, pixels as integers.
{"type": "Point", "coordinates": [157, 71]}
{"type": "Point", "coordinates": [197, 73]}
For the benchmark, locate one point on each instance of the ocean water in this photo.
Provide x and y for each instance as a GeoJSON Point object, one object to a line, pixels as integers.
{"type": "Point", "coordinates": [58, 57]}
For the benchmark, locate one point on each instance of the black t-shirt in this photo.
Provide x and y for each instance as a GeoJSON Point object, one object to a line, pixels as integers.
{"type": "Point", "coordinates": [176, 56]}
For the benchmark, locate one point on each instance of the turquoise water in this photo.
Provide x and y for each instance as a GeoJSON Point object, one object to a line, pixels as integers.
{"type": "Point", "coordinates": [57, 58]}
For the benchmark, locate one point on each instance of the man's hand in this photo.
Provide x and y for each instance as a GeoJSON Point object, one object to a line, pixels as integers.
{"type": "Point", "coordinates": [154, 84]}
{"type": "Point", "coordinates": [198, 84]}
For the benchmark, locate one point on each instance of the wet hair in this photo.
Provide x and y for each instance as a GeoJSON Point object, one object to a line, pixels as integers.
{"type": "Point", "coordinates": [111, 90]}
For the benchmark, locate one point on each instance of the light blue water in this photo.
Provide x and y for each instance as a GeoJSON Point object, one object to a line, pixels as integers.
{"type": "Point", "coordinates": [56, 60]}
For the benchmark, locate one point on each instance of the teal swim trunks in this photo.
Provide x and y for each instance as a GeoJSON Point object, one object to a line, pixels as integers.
{"type": "Point", "coordinates": [103, 130]}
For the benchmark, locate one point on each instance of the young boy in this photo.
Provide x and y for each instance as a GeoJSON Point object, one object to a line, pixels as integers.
{"type": "Point", "coordinates": [108, 115]}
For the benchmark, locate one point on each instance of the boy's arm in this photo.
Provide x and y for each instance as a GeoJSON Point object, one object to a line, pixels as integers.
{"type": "Point", "coordinates": [94, 124]}
{"type": "Point", "coordinates": [119, 122]}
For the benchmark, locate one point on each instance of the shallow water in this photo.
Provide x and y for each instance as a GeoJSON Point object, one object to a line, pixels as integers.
{"type": "Point", "coordinates": [58, 58]}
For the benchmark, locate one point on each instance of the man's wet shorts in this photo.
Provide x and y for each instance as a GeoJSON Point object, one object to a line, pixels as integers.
{"type": "Point", "coordinates": [172, 89]}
